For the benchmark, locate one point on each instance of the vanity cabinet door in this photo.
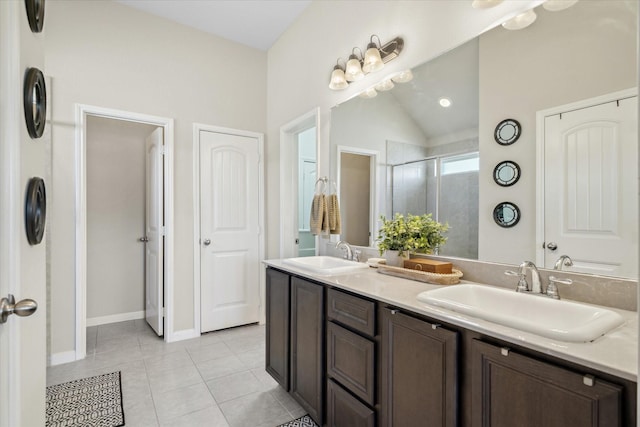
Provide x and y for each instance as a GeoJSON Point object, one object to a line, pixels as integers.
{"type": "Point", "coordinates": [277, 326]}
{"type": "Point", "coordinates": [307, 346]}
{"type": "Point", "coordinates": [509, 389]}
{"type": "Point", "coordinates": [419, 372]}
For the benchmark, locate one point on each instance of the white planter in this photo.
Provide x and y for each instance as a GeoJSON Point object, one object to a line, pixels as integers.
{"type": "Point", "coordinates": [394, 260]}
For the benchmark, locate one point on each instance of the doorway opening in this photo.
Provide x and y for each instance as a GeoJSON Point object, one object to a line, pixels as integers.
{"type": "Point", "coordinates": [299, 165]}
{"type": "Point", "coordinates": [124, 220]}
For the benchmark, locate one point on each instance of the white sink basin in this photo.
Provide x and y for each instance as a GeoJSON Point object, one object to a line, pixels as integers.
{"type": "Point", "coordinates": [325, 265]}
{"type": "Point", "coordinates": [556, 319]}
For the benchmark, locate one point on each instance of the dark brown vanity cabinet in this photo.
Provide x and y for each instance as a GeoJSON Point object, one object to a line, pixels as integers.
{"type": "Point", "coordinates": [509, 389]}
{"type": "Point", "coordinates": [419, 374]}
{"type": "Point", "coordinates": [351, 360]}
{"type": "Point", "coordinates": [277, 326]}
{"type": "Point", "coordinates": [307, 346]}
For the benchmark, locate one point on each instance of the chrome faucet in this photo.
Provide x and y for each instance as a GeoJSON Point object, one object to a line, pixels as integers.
{"type": "Point", "coordinates": [348, 251]}
{"type": "Point", "coordinates": [523, 285]}
{"type": "Point", "coordinates": [564, 260]}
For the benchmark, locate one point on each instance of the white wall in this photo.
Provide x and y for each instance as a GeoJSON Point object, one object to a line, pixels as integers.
{"type": "Point", "coordinates": [300, 63]}
{"type": "Point", "coordinates": [105, 54]}
{"type": "Point", "coordinates": [115, 216]}
{"type": "Point", "coordinates": [533, 65]}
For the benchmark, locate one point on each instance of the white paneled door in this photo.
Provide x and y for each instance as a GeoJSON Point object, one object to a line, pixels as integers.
{"type": "Point", "coordinates": [590, 205]}
{"type": "Point", "coordinates": [154, 236]}
{"type": "Point", "coordinates": [229, 230]}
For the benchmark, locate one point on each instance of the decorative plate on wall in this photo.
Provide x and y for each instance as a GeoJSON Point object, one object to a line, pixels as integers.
{"type": "Point", "coordinates": [35, 14]}
{"type": "Point", "coordinates": [506, 173]}
{"type": "Point", "coordinates": [35, 210]}
{"type": "Point", "coordinates": [506, 214]}
{"type": "Point", "coordinates": [507, 132]}
{"type": "Point", "coordinates": [35, 102]}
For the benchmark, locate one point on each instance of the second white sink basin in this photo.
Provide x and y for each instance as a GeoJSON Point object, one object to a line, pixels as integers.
{"type": "Point", "coordinates": [325, 265]}
{"type": "Point", "coordinates": [556, 319]}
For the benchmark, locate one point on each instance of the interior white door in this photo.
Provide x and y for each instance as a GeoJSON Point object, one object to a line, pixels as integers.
{"type": "Point", "coordinates": [23, 340]}
{"type": "Point", "coordinates": [229, 230]}
{"type": "Point", "coordinates": [591, 173]}
{"type": "Point", "coordinates": [154, 224]}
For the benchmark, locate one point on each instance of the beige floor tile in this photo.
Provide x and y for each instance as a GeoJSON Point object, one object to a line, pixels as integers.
{"type": "Point", "coordinates": [233, 386]}
{"type": "Point", "coordinates": [171, 379]}
{"type": "Point", "coordinates": [215, 350]}
{"type": "Point", "coordinates": [216, 368]}
{"type": "Point", "coordinates": [182, 401]}
{"type": "Point", "coordinates": [209, 417]}
{"type": "Point", "coordinates": [255, 410]}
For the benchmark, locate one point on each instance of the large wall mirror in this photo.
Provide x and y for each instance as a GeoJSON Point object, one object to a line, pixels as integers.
{"type": "Point", "coordinates": [440, 159]}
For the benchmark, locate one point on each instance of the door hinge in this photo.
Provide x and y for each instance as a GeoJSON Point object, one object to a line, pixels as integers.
{"type": "Point", "coordinates": [164, 312]}
{"type": "Point", "coordinates": [163, 150]}
{"type": "Point", "coordinates": [164, 230]}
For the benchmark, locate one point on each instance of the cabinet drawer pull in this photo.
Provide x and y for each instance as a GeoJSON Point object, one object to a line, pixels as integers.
{"type": "Point", "coordinates": [588, 380]}
{"type": "Point", "coordinates": [394, 311]}
{"type": "Point", "coordinates": [504, 351]}
{"type": "Point", "coordinates": [435, 326]}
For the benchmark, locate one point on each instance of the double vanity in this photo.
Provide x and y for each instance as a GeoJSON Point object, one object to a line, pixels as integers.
{"type": "Point", "coordinates": [358, 348]}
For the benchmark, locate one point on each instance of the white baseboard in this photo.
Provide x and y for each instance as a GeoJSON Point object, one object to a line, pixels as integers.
{"type": "Point", "coordinates": [61, 358]}
{"type": "Point", "coordinates": [185, 334]}
{"type": "Point", "coordinates": [122, 317]}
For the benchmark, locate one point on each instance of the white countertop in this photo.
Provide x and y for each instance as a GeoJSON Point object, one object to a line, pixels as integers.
{"type": "Point", "coordinates": [615, 353]}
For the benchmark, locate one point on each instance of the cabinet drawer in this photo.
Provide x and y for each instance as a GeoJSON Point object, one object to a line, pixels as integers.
{"type": "Point", "coordinates": [350, 361]}
{"type": "Point", "coordinates": [345, 410]}
{"type": "Point", "coordinates": [354, 312]}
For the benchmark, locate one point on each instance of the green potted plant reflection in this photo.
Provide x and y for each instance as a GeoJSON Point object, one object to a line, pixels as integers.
{"type": "Point", "coordinates": [402, 235]}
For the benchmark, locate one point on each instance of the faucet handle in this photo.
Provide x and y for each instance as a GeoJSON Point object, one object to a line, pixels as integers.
{"type": "Point", "coordinates": [552, 288]}
{"type": "Point", "coordinates": [523, 286]}
{"type": "Point", "coordinates": [356, 255]}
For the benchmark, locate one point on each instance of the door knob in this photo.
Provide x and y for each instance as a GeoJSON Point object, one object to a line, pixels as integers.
{"type": "Point", "coordinates": [144, 239]}
{"type": "Point", "coordinates": [552, 246]}
{"type": "Point", "coordinates": [206, 242]}
{"type": "Point", "coordinates": [22, 308]}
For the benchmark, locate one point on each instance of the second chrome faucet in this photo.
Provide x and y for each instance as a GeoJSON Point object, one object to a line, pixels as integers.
{"type": "Point", "coordinates": [536, 282]}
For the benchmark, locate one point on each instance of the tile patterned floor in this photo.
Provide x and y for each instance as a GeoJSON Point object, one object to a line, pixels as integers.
{"type": "Point", "coordinates": [216, 380]}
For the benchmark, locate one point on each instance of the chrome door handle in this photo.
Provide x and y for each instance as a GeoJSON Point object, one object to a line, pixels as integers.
{"type": "Point", "coordinates": [22, 308]}
{"type": "Point", "coordinates": [552, 246]}
{"type": "Point", "coordinates": [143, 239]}
{"type": "Point", "coordinates": [206, 242]}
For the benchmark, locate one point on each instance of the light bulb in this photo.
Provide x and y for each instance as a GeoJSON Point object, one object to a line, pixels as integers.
{"type": "Point", "coordinates": [338, 81]}
{"type": "Point", "coordinates": [557, 5]}
{"type": "Point", "coordinates": [372, 60]}
{"type": "Point", "coordinates": [403, 77]}
{"type": "Point", "coordinates": [384, 85]}
{"type": "Point", "coordinates": [521, 21]}
{"type": "Point", "coordinates": [353, 71]}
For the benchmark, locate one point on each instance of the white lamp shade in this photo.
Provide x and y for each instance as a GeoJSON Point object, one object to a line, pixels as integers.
{"type": "Point", "coordinates": [521, 21]}
{"type": "Point", "coordinates": [403, 77]}
{"type": "Point", "coordinates": [372, 60]}
{"type": "Point", "coordinates": [338, 81]}
{"type": "Point", "coordinates": [369, 93]}
{"type": "Point", "coordinates": [556, 5]}
{"type": "Point", "coordinates": [484, 4]}
{"type": "Point", "coordinates": [353, 71]}
{"type": "Point", "coordinates": [384, 85]}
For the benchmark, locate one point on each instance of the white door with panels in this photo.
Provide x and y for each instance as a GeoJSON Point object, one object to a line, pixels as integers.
{"type": "Point", "coordinates": [229, 230]}
{"type": "Point", "coordinates": [591, 212]}
{"type": "Point", "coordinates": [154, 236]}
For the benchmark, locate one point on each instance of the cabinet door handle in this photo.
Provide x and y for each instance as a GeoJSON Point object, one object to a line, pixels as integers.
{"type": "Point", "coordinates": [394, 311]}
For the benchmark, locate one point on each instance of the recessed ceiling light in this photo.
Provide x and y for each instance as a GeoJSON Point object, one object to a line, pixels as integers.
{"type": "Point", "coordinates": [521, 21]}
{"type": "Point", "coordinates": [444, 102]}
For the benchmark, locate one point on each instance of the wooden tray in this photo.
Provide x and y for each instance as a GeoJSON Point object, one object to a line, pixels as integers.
{"type": "Point", "coordinates": [421, 276]}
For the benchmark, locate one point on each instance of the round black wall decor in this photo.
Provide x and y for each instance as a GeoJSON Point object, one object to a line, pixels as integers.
{"type": "Point", "coordinates": [506, 173]}
{"type": "Point", "coordinates": [35, 210]}
{"type": "Point", "coordinates": [507, 132]}
{"type": "Point", "coordinates": [35, 102]}
{"type": "Point", "coordinates": [506, 214]}
{"type": "Point", "coordinates": [35, 14]}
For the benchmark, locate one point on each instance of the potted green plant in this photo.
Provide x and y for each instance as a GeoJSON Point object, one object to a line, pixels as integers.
{"type": "Point", "coordinates": [401, 235]}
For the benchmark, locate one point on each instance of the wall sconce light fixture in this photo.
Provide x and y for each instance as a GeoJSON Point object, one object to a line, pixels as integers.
{"type": "Point", "coordinates": [357, 67]}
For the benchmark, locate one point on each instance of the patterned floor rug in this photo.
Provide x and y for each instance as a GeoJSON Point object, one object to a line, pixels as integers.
{"type": "Point", "coordinates": [304, 421]}
{"type": "Point", "coordinates": [91, 402]}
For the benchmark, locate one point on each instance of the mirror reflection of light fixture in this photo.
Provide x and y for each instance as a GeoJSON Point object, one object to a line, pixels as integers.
{"type": "Point", "coordinates": [338, 80]}
{"type": "Point", "coordinates": [403, 77]}
{"type": "Point", "coordinates": [384, 85]}
{"type": "Point", "coordinates": [485, 4]}
{"type": "Point", "coordinates": [557, 5]}
{"type": "Point", "coordinates": [369, 93]}
{"type": "Point", "coordinates": [353, 71]}
{"type": "Point", "coordinates": [372, 58]}
{"type": "Point", "coordinates": [521, 21]}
